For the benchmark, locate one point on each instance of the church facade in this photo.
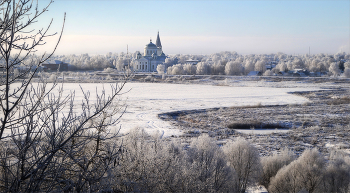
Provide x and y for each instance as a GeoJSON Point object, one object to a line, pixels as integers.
{"type": "Point", "coordinates": [153, 56]}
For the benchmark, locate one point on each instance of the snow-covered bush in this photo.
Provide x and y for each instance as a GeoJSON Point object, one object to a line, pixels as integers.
{"type": "Point", "coordinates": [109, 70]}
{"type": "Point", "coordinates": [53, 77]}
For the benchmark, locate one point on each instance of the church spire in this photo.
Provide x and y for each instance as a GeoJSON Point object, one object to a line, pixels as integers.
{"type": "Point", "coordinates": [158, 44]}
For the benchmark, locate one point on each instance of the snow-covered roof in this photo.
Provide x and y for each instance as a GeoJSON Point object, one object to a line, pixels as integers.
{"type": "Point", "coordinates": [151, 45]}
{"type": "Point", "coordinates": [55, 62]}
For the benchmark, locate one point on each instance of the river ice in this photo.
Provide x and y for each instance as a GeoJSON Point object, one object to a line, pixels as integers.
{"type": "Point", "coordinates": [146, 100]}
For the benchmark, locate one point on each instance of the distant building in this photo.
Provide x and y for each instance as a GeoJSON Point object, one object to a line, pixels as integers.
{"type": "Point", "coordinates": [153, 56]}
{"type": "Point", "coordinates": [193, 62]}
{"type": "Point", "coordinates": [55, 65]}
{"type": "Point", "coordinates": [254, 73]}
{"type": "Point", "coordinates": [298, 73]}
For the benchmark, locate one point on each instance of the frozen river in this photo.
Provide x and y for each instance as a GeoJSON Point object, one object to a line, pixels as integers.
{"type": "Point", "coordinates": [146, 100]}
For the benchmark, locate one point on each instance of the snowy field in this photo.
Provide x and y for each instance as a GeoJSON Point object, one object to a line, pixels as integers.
{"type": "Point", "coordinates": [146, 100]}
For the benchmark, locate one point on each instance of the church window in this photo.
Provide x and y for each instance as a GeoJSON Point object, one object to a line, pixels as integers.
{"type": "Point", "coordinates": [143, 67]}
{"type": "Point", "coordinates": [146, 67]}
{"type": "Point", "coordinates": [152, 67]}
{"type": "Point", "coordinates": [146, 62]}
{"type": "Point", "coordinates": [140, 62]}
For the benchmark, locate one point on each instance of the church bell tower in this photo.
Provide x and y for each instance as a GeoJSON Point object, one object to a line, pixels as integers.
{"type": "Point", "coordinates": [159, 45]}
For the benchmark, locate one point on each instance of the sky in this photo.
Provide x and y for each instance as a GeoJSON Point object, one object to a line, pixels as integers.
{"type": "Point", "coordinates": [199, 26]}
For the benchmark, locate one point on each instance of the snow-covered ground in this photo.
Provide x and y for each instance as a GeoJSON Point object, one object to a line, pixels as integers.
{"type": "Point", "coordinates": [146, 100]}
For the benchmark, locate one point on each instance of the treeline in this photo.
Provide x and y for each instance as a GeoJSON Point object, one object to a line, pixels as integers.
{"type": "Point", "coordinates": [223, 63]}
{"type": "Point", "coordinates": [226, 63]}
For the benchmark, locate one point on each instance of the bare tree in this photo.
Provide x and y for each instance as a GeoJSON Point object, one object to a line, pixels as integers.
{"type": "Point", "coordinates": [43, 149]}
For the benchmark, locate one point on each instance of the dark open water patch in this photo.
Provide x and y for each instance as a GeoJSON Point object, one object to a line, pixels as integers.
{"type": "Point", "coordinates": [256, 125]}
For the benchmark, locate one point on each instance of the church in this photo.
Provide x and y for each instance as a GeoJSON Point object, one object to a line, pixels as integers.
{"type": "Point", "coordinates": [152, 56]}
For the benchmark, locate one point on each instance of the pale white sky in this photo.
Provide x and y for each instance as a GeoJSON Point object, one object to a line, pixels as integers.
{"type": "Point", "coordinates": [202, 27]}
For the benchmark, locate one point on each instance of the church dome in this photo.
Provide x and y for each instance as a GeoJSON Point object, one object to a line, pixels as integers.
{"type": "Point", "coordinates": [151, 45]}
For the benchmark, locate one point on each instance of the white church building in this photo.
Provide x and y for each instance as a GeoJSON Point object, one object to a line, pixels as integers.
{"type": "Point", "coordinates": [152, 56]}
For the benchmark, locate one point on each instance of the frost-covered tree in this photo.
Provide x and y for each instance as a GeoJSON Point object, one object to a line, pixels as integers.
{"type": "Point", "coordinates": [347, 72]}
{"type": "Point", "coordinates": [260, 66]}
{"type": "Point", "coordinates": [305, 173]}
{"type": "Point", "coordinates": [314, 65]}
{"type": "Point", "coordinates": [189, 68]}
{"type": "Point", "coordinates": [233, 68]}
{"type": "Point", "coordinates": [149, 164]}
{"type": "Point", "coordinates": [337, 176]}
{"type": "Point", "coordinates": [334, 69]}
{"type": "Point", "coordinates": [160, 68]}
{"type": "Point", "coordinates": [298, 63]}
{"type": "Point", "coordinates": [282, 67]}
{"type": "Point", "coordinates": [249, 66]}
{"type": "Point", "coordinates": [347, 64]}
{"type": "Point", "coordinates": [272, 164]}
{"type": "Point", "coordinates": [120, 64]}
{"type": "Point", "coordinates": [169, 61]}
{"type": "Point", "coordinates": [322, 67]}
{"type": "Point", "coordinates": [48, 144]}
{"type": "Point", "coordinates": [175, 69]}
{"type": "Point", "coordinates": [203, 68]}
{"type": "Point", "coordinates": [208, 168]}
{"type": "Point", "coordinates": [244, 158]}
{"type": "Point", "coordinates": [218, 68]}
